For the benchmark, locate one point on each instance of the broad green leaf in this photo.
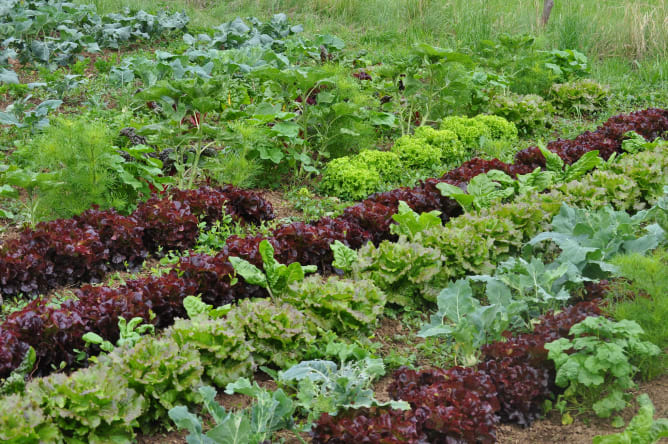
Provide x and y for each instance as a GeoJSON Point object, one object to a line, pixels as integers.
{"type": "Point", "coordinates": [249, 272]}
{"type": "Point", "coordinates": [344, 257]}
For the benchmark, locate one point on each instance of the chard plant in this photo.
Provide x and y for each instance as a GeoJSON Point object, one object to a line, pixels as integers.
{"type": "Point", "coordinates": [276, 277]}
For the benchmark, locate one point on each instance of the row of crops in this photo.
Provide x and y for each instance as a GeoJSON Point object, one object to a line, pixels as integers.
{"type": "Point", "coordinates": [508, 256]}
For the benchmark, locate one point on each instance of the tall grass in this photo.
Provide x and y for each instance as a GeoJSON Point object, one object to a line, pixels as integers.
{"type": "Point", "coordinates": [633, 31]}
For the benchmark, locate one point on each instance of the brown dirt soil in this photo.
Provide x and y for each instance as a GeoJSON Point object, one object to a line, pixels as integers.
{"type": "Point", "coordinates": [282, 208]}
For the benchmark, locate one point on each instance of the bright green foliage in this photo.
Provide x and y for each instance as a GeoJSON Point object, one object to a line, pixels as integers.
{"type": "Point", "coordinates": [482, 191]}
{"type": "Point", "coordinates": [499, 128]}
{"type": "Point", "coordinates": [195, 307]}
{"type": "Point", "coordinates": [224, 353]}
{"type": "Point", "coordinates": [386, 163]}
{"type": "Point", "coordinates": [565, 173]}
{"type": "Point", "coordinates": [15, 382]}
{"type": "Point", "coordinates": [93, 405]}
{"type": "Point", "coordinates": [643, 297]}
{"type": "Point", "coordinates": [343, 306]}
{"type": "Point", "coordinates": [129, 334]}
{"type": "Point", "coordinates": [649, 170]}
{"type": "Point", "coordinates": [88, 168]}
{"type": "Point", "coordinates": [474, 242]}
{"type": "Point", "coordinates": [402, 269]}
{"type": "Point", "coordinates": [464, 322]}
{"type": "Point", "coordinates": [411, 224]}
{"type": "Point", "coordinates": [452, 150]}
{"type": "Point", "coordinates": [272, 411]}
{"type": "Point", "coordinates": [529, 113]}
{"type": "Point", "coordinates": [22, 421]}
{"type": "Point", "coordinates": [276, 276]}
{"type": "Point", "coordinates": [588, 239]}
{"type": "Point", "coordinates": [160, 371]}
{"type": "Point", "coordinates": [344, 256]}
{"type": "Point", "coordinates": [323, 386]}
{"type": "Point", "coordinates": [276, 332]}
{"type": "Point", "coordinates": [536, 286]}
{"type": "Point", "coordinates": [417, 153]}
{"type": "Point", "coordinates": [643, 428]}
{"type": "Point", "coordinates": [349, 180]}
{"type": "Point", "coordinates": [469, 131]}
{"type": "Point", "coordinates": [579, 97]}
{"type": "Point", "coordinates": [604, 188]}
{"type": "Point", "coordinates": [603, 362]}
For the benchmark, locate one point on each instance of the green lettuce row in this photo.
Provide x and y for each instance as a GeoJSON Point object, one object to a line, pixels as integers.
{"type": "Point", "coordinates": [134, 387]}
{"type": "Point", "coordinates": [356, 177]}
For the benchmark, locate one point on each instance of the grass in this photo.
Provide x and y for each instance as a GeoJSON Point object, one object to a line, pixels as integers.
{"type": "Point", "coordinates": [642, 296]}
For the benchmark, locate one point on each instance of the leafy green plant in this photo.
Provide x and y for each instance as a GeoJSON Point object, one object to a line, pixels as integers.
{"type": "Point", "coordinates": [471, 132]}
{"type": "Point", "coordinates": [19, 115]}
{"type": "Point", "coordinates": [31, 426]}
{"type": "Point", "coordinates": [271, 411]}
{"type": "Point", "coordinates": [35, 185]}
{"type": "Point", "coordinates": [417, 152]}
{"type": "Point", "coordinates": [465, 323]}
{"type": "Point", "coordinates": [275, 331]}
{"type": "Point", "coordinates": [410, 224]}
{"type": "Point", "coordinates": [340, 305]}
{"type": "Point", "coordinates": [530, 113]}
{"type": "Point", "coordinates": [647, 169]}
{"type": "Point", "coordinates": [589, 239]}
{"type": "Point", "coordinates": [161, 371]}
{"type": "Point", "coordinates": [499, 128]}
{"type": "Point", "coordinates": [129, 333]}
{"type": "Point", "coordinates": [276, 277]}
{"type": "Point", "coordinates": [344, 256]}
{"type": "Point", "coordinates": [401, 269]}
{"type": "Point", "coordinates": [195, 307]}
{"type": "Point", "coordinates": [581, 97]}
{"type": "Point", "coordinates": [567, 173]}
{"type": "Point", "coordinates": [88, 169]}
{"type": "Point", "coordinates": [323, 386]}
{"type": "Point", "coordinates": [91, 405]}
{"type": "Point", "coordinates": [643, 428]}
{"type": "Point", "coordinates": [599, 363]}
{"type": "Point", "coordinates": [482, 191]}
{"type": "Point", "coordinates": [225, 355]}
{"type": "Point", "coordinates": [642, 296]}
{"type": "Point", "coordinates": [348, 179]}
{"type": "Point", "coordinates": [16, 381]}
{"type": "Point", "coordinates": [314, 207]}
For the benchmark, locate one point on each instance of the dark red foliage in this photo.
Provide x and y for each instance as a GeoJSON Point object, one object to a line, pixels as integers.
{"type": "Point", "coordinates": [212, 278]}
{"type": "Point", "coordinates": [520, 389]}
{"type": "Point", "coordinates": [373, 425]}
{"type": "Point", "coordinates": [122, 236]}
{"type": "Point", "coordinates": [468, 170]}
{"type": "Point", "coordinates": [459, 404]}
{"type": "Point", "coordinates": [248, 205]}
{"type": "Point", "coordinates": [83, 249]}
{"type": "Point", "coordinates": [168, 224]}
{"type": "Point", "coordinates": [596, 290]}
{"type": "Point", "coordinates": [373, 217]}
{"type": "Point", "coordinates": [12, 352]}
{"type": "Point", "coordinates": [362, 75]}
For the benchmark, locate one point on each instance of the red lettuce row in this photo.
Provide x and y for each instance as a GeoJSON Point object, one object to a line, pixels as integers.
{"type": "Point", "coordinates": [83, 249]}
{"type": "Point", "coordinates": [464, 405]}
{"type": "Point", "coordinates": [304, 243]}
